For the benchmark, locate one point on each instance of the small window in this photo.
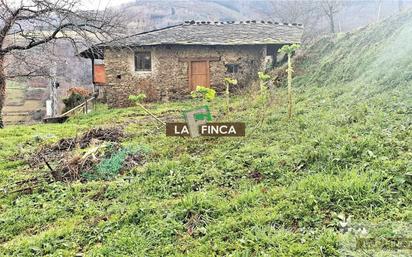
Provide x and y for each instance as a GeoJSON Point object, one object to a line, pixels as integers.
{"type": "Point", "coordinates": [232, 68]}
{"type": "Point", "coordinates": [272, 50]}
{"type": "Point", "coordinates": [142, 61]}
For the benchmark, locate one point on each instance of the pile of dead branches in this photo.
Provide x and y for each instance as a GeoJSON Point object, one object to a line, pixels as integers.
{"type": "Point", "coordinates": [114, 134]}
{"type": "Point", "coordinates": [58, 150]}
{"type": "Point", "coordinates": [73, 166]}
{"type": "Point", "coordinates": [79, 159]}
{"type": "Point", "coordinates": [81, 166]}
{"type": "Point", "coordinates": [68, 166]}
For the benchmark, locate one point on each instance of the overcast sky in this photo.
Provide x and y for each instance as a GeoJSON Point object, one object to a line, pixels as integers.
{"type": "Point", "coordinates": [101, 4]}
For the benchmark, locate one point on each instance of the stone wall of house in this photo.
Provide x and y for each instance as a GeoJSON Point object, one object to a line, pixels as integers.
{"type": "Point", "coordinates": [168, 79]}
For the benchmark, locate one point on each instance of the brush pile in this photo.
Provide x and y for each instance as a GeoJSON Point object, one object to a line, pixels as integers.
{"type": "Point", "coordinates": [58, 150]}
{"type": "Point", "coordinates": [96, 154]}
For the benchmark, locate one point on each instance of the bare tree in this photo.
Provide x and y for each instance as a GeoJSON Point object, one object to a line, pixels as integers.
{"type": "Point", "coordinates": [379, 6]}
{"type": "Point", "coordinates": [293, 10]}
{"type": "Point", "coordinates": [330, 8]}
{"type": "Point", "coordinates": [29, 24]}
{"type": "Point", "coordinates": [306, 12]}
{"type": "Point", "coordinates": [400, 5]}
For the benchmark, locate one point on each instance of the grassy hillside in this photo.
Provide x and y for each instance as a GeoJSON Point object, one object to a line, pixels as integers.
{"type": "Point", "coordinates": [336, 174]}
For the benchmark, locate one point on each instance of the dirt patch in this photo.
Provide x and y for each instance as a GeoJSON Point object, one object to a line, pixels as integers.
{"type": "Point", "coordinates": [65, 144]}
{"type": "Point", "coordinates": [131, 161]}
{"type": "Point", "coordinates": [256, 176]}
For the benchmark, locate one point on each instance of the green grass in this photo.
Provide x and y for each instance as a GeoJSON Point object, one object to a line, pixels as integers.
{"type": "Point", "coordinates": [346, 153]}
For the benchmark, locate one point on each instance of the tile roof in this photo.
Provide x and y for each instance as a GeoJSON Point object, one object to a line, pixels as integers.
{"type": "Point", "coordinates": [217, 33]}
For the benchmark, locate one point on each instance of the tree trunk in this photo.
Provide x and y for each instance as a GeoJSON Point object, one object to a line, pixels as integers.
{"type": "Point", "coordinates": [2, 90]}
{"type": "Point", "coordinates": [332, 23]}
{"type": "Point", "coordinates": [400, 5]}
{"type": "Point", "coordinates": [379, 10]}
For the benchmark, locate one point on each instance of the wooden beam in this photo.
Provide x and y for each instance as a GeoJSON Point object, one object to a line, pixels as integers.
{"type": "Point", "coordinates": [208, 73]}
{"type": "Point", "coordinates": [16, 113]}
{"type": "Point", "coordinates": [200, 59]}
{"type": "Point", "coordinates": [189, 73]}
{"type": "Point", "coordinates": [93, 71]}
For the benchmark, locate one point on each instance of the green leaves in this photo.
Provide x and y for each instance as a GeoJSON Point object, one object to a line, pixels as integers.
{"type": "Point", "coordinates": [263, 77]}
{"type": "Point", "coordinates": [230, 81]}
{"type": "Point", "coordinates": [137, 98]}
{"type": "Point", "coordinates": [289, 49]}
{"type": "Point", "coordinates": [204, 93]}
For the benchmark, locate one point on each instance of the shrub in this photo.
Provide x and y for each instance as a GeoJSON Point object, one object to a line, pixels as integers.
{"type": "Point", "coordinates": [204, 93]}
{"type": "Point", "coordinates": [137, 98]}
{"type": "Point", "coordinates": [77, 95]}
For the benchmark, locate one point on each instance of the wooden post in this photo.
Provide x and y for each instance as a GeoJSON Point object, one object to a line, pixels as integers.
{"type": "Point", "coordinates": [289, 85]}
{"type": "Point", "coordinates": [227, 97]}
{"type": "Point", "coordinates": [151, 114]}
{"type": "Point", "coordinates": [53, 90]}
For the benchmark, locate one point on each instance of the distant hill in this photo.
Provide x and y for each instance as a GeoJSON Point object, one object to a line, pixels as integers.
{"type": "Point", "coordinates": [146, 14]}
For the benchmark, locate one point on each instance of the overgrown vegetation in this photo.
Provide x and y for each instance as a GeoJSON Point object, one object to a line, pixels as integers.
{"type": "Point", "coordinates": [204, 93]}
{"type": "Point", "coordinates": [76, 96]}
{"type": "Point", "coordinates": [138, 99]}
{"type": "Point", "coordinates": [311, 186]}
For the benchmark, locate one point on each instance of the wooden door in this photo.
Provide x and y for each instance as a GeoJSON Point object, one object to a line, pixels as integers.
{"type": "Point", "coordinates": [199, 74]}
{"type": "Point", "coordinates": [99, 74]}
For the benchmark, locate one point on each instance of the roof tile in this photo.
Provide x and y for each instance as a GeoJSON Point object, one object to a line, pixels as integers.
{"type": "Point", "coordinates": [213, 33]}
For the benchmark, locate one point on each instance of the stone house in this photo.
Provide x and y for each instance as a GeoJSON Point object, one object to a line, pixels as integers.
{"type": "Point", "coordinates": [168, 63]}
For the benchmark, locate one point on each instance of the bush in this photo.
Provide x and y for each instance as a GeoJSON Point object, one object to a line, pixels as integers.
{"type": "Point", "coordinates": [137, 98]}
{"type": "Point", "coordinates": [205, 93]}
{"type": "Point", "coordinates": [77, 95]}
